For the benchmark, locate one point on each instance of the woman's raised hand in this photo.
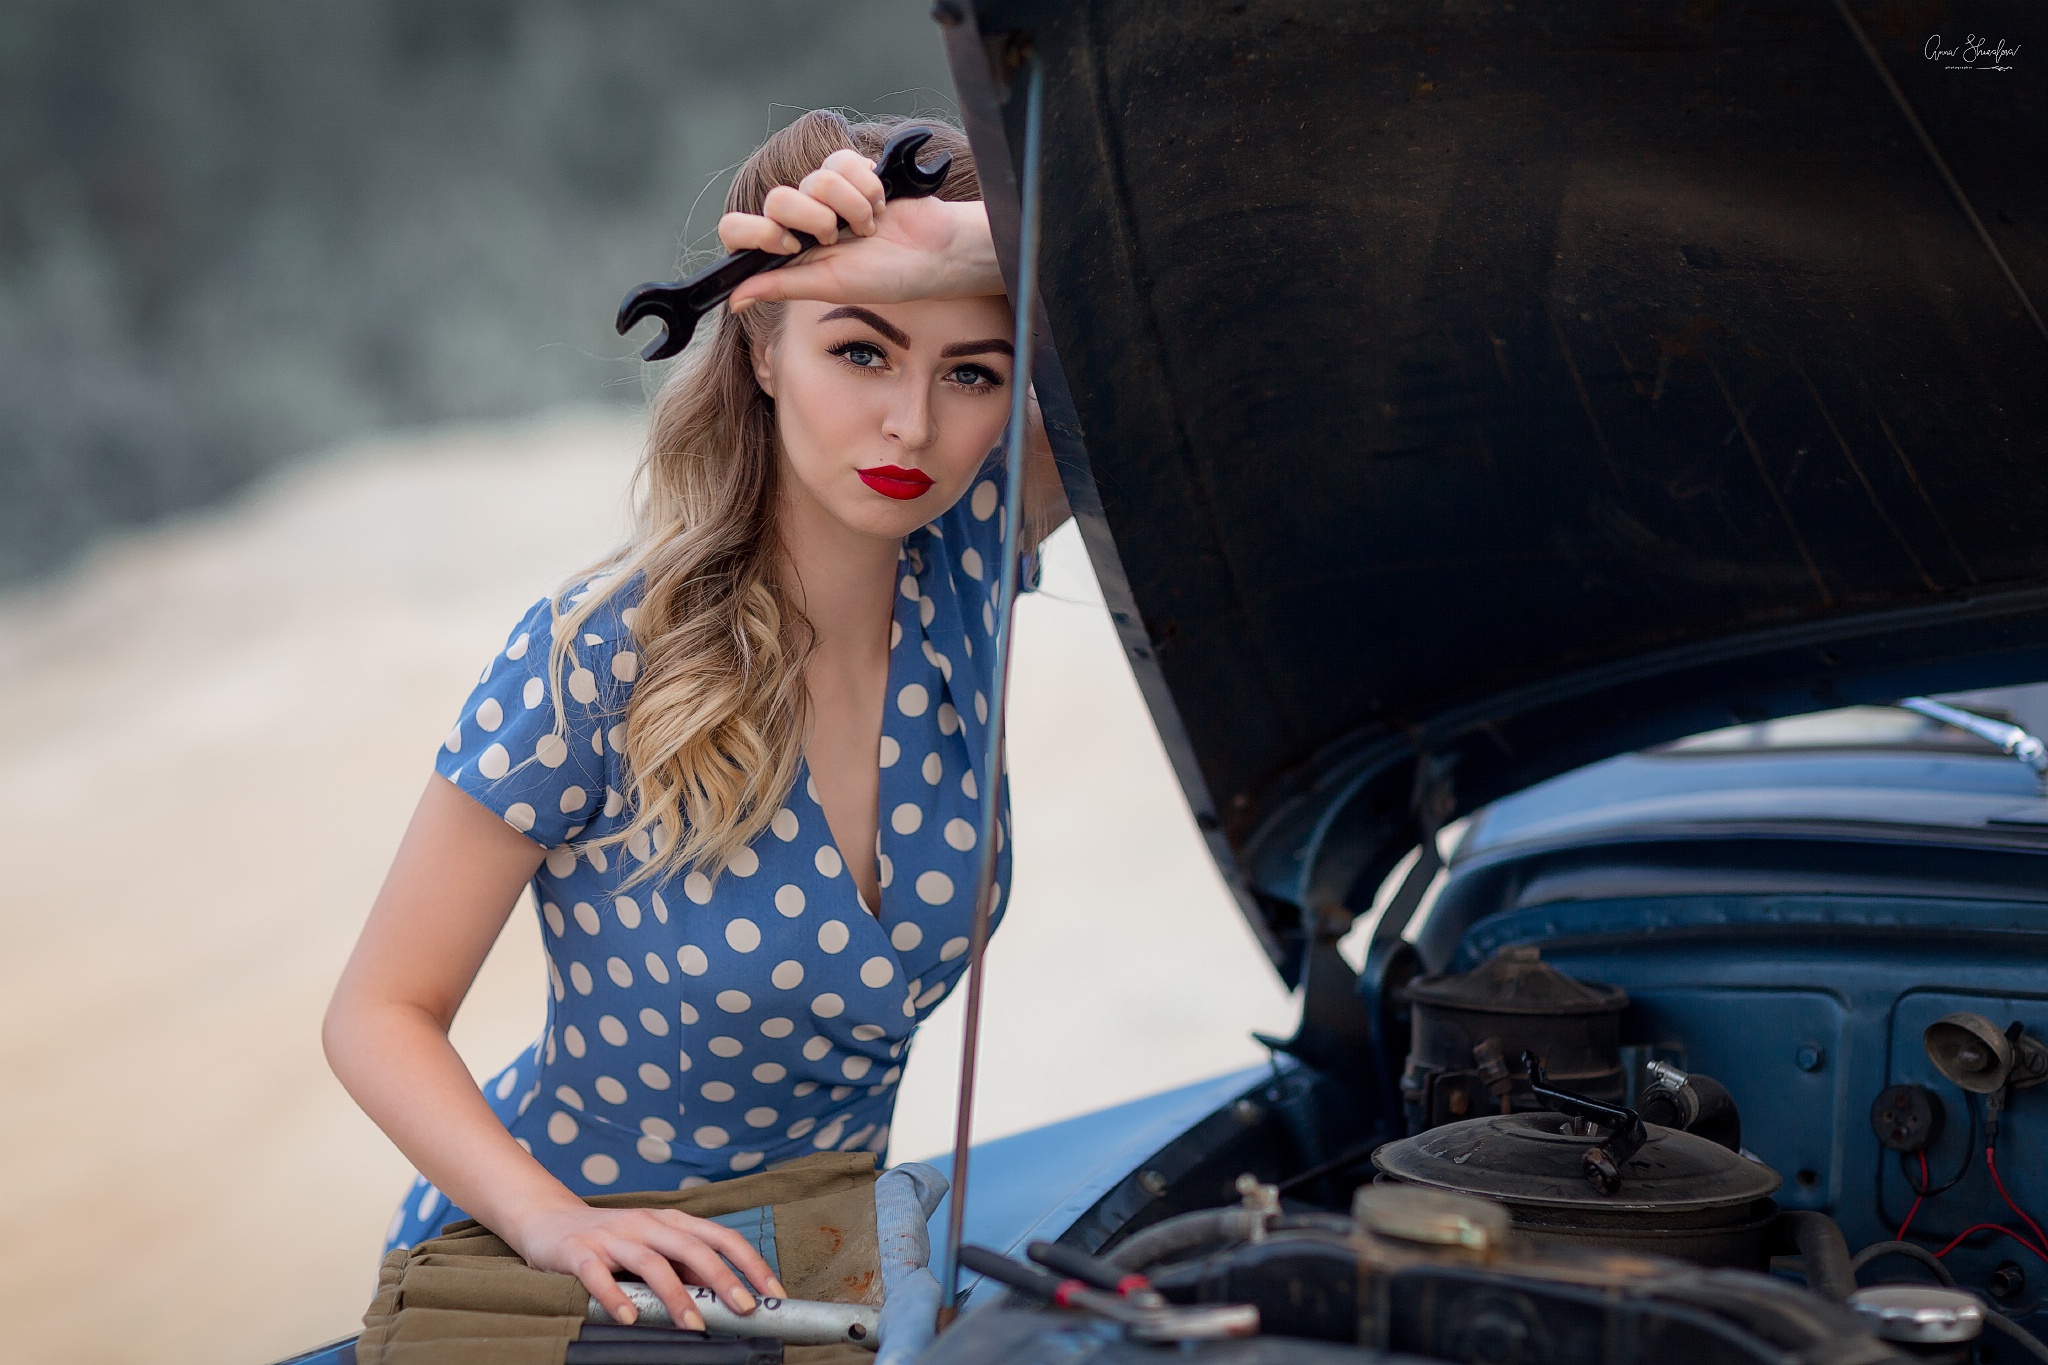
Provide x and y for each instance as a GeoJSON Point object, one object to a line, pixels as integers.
{"type": "Point", "coordinates": [892, 251]}
{"type": "Point", "coordinates": [654, 1244]}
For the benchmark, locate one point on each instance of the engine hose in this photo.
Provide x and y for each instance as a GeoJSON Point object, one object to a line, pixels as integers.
{"type": "Point", "coordinates": [1823, 1251]}
{"type": "Point", "coordinates": [1877, 1250]}
{"type": "Point", "coordinates": [2027, 1341]}
{"type": "Point", "coordinates": [1209, 1228]}
{"type": "Point", "coordinates": [1205, 1227]}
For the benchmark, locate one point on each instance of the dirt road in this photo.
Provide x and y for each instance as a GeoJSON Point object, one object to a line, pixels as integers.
{"type": "Point", "coordinates": [213, 736]}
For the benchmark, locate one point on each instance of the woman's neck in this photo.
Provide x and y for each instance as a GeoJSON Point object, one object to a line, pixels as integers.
{"type": "Point", "coordinates": [843, 580]}
{"type": "Point", "coordinates": [846, 585]}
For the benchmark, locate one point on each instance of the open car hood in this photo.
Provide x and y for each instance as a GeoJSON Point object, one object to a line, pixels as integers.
{"type": "Point", "coordinates": [1454, 394]}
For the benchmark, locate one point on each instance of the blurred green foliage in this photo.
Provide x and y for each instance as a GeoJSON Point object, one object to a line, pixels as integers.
{"type": "Point", "coordinates": [234, 231]}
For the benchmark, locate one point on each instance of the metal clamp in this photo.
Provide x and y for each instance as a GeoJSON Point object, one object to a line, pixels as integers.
{"type": "Point", "coordinates": [1625, 1132]}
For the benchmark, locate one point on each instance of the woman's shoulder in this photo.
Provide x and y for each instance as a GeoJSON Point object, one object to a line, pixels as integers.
{"type": "Point", "coordinates": [595, 633]}
{"type": "Point", "coordinates": [532, 741]}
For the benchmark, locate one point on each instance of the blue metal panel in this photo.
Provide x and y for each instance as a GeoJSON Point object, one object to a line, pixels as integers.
{"type": "Point", "coordinates": [1035, 1184]}
{"type": "Point", "coordinates": [1737, 1034]}
{"type": "Point", "coordinates": [1740, 921]}
{"type": "Point", "coordinates": [1961, 790]}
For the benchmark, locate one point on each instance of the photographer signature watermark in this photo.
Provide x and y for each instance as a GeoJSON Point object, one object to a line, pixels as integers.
{"type": "Point", "coordinates": [1972, 54]}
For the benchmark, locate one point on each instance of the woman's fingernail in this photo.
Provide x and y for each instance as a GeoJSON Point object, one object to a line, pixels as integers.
{"type": "Point", "coordinates": [742, 1300]}
{"type": "Point", "coordinates": [694, 1320]}
{"type": "Point", "coordinates": [775, 1288]}
{"type": "Point", "coordinates": [627, 1315]}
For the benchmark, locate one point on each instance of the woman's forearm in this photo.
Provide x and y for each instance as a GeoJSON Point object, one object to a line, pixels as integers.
{"type": "Point", "coordinates": [456, 876]}
{"type": "Point", "coordinates": [397, 1063]}
{"type": "Point", "coordinates": [458, 872]}
{"type": "Point", "coordinates": [924, 249]}
{"type": "Point", "coordinates": [968, 268]}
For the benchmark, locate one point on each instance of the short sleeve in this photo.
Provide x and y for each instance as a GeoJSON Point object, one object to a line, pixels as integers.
{"type": "Point", "coordinates": [506, 750]}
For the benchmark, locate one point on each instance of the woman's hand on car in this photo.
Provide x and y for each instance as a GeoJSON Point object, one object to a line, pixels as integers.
{"type": "Point", "coordinates": [595, 1245]}
{"type": "Point", "coordinates": [891, 251]}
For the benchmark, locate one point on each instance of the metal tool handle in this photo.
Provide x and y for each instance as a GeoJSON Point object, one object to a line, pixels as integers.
{"type": "Point", "coordinates": [680, 304]}
{"type": "Point", "coordinates": [797, 1322]}
{"type": "Point", "coordinates": [1625, 1136]}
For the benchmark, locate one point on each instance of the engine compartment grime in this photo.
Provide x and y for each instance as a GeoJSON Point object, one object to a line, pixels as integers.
{"type": "Point", "coordinates": [1567, 1190]}
{"type": "Point", "coordinates": [1422, 1273]}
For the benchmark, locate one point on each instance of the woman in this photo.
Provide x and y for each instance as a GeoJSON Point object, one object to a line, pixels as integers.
{"type": "Point", "coordinates": [739, 762]}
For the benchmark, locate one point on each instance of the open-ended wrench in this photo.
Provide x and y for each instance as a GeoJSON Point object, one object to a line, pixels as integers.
{"type": "Point", "coordinates": [679, 305]}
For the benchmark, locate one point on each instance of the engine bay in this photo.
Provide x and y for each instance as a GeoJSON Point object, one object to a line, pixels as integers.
{"type": "Point", "coordinates": [1643, 1163]}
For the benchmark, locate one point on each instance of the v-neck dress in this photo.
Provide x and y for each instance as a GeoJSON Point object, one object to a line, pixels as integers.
{"type": "Point", "coordinates": [698, 1029]}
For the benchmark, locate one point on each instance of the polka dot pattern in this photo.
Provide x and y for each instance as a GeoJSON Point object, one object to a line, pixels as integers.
{"type": "Point", "coordinates": [719, 1021]}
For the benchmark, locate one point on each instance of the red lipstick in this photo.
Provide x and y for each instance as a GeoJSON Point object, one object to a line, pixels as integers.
{"type": "Point", "coordinates": [894, 482]}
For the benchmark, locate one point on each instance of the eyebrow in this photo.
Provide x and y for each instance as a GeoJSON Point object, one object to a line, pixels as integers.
{"type": "Point", "coordinates": [993, 344]}
{"type": "Point", "coordinates": [874, 320]}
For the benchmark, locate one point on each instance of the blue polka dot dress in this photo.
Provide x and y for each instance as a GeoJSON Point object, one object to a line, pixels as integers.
{"type": "Point", "coordinates": [700, 1029]}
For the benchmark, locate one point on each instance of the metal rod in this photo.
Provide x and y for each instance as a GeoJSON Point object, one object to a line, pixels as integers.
{"type": "Point", "coordinates": [992, 789]}
{"type": "Point", "coordinates": [2027, 748]}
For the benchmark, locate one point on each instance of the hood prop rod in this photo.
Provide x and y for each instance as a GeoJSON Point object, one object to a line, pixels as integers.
{"type": "Point", "coordinates": [992, 787]}
{"type": "Point", "coordinates": [2028, 749]}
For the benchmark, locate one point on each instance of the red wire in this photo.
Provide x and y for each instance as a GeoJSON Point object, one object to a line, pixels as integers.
{"type": "Point", "coordinates": [1917, 1197]}
{"type": "Point", "coordinates": [1991, 1160]}
{"type": "Point", "coordinates": [1992, 1227]}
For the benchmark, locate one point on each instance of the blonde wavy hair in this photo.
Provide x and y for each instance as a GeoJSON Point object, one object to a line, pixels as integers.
{"type": "Point", "coordinates": [715, 726]}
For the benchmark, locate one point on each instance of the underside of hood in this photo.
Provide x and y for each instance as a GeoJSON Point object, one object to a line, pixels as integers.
{"type": "Point", "coordinates": [1453, 394]}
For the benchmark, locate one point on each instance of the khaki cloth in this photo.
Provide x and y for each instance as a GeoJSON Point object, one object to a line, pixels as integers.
{"type": "Point", "coordinates": [466, 1298]}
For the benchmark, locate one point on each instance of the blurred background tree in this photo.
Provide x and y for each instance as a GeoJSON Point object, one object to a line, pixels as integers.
{"type": "Point", "coordinates": [234, 231]}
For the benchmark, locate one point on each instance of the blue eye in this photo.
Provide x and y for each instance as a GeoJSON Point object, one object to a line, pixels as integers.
{"type": "Point", "coordinates": [975, 377]}
{"type": "Point", "coordinates": [865, 354]}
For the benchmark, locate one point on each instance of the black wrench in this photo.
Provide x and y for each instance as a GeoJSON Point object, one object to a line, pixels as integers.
{"type": "Point", "coordinates": [678, 306]}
